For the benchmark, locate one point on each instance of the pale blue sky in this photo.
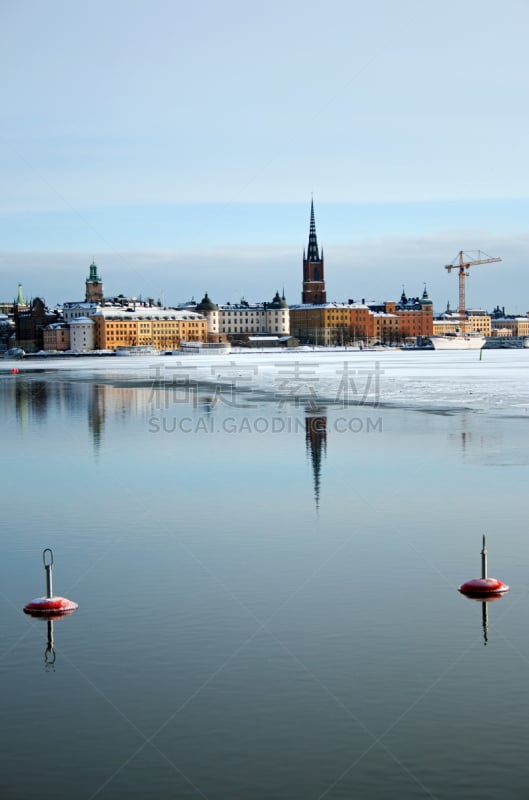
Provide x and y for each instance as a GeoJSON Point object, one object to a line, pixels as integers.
{"type": "Point", "coordinates": [179, 145]}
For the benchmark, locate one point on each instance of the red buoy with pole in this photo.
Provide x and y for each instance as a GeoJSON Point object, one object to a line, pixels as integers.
{"type": "Point", "coordinates": [481, 587]}
{"type": "Point", "coordinates": [51, 605]}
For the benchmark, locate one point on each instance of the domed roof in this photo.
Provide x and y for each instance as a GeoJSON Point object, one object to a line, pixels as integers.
{"type": "Point", "coordinates": [278, 302]}
{"type": "Point", "coordinates": [206, 304]}
{"type": "Point", "coordinates": [425, 300]}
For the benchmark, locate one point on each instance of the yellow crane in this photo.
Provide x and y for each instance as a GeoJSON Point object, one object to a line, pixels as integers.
{"type": "Point", "coordinates": [462, 262]}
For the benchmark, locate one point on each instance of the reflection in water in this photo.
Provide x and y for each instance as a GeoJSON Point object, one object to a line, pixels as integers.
{"type": "Point", "coordinates": [31, 401]}
{"type": "Point", "coordinates": [96, 414]}
{"type": "Point", "coordinates": [485, 612]}
{"type": "Point", "coordinates": [485, 617]}
{"type": "Point", "coordinates": [490, 444]}
{"type": "Point", "coordinates": [316, 443]}
{"type": "Point", "coordinates": [35, 400]}
{"type": "Point", "coordinates": [49, 653]}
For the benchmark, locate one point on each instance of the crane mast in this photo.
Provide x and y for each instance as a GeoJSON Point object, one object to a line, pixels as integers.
{"type": "Point", "coordinates": [463, 263]}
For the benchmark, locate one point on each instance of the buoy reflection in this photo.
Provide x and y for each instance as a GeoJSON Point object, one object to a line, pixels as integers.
{"type": "Point", "coordinates": [484, 611]}
{"type": "Point", "coordinates": [49, 653]}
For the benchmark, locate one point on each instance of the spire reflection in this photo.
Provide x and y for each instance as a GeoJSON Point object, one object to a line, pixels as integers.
{"type": "Point", "coordinates": [316, 445]}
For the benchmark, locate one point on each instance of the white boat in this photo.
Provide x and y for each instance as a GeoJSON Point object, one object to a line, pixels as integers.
{"type": "Point", "coordinates": [203, 348]}
{"type": "Point", "coordinates": [136, 350]}
{"type": "Point", "coordinates": [458, 341]}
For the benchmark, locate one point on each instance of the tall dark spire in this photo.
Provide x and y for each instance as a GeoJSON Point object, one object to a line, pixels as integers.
{"type": "Point", "coordinates": [313, 252]}
{"type": "Point", "coordinates": [313, 268]}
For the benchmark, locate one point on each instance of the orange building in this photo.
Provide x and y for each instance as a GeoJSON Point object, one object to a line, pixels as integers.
{"type": "Point", "coordinates": [332, 323]}
{"type": "Point", "coordinates": [341, 324]}
{"type": "Point", "coordinates": [164, 328]}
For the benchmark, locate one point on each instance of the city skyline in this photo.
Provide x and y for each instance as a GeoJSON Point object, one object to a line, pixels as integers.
{"type": "Point", "coordinates": [189, 168]}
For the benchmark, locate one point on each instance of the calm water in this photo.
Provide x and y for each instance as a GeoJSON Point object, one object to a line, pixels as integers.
{"type": "Point", "coordinates": [267, 593]}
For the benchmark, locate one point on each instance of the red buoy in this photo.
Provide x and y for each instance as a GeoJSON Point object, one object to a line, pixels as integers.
{"type": "Point", "coordinates": [50, 606]}
{"type": "Point", "coordinates": [481, 587]}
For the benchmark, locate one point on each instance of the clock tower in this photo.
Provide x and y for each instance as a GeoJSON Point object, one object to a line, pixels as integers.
{"type": "Point", "coordinates": [94, 286]}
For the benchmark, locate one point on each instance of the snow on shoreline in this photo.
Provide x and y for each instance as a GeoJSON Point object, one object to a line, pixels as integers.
{"type": "Point", "coordinates": [497, 382]}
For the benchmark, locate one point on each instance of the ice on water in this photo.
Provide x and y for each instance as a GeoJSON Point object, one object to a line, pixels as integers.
{"type": "Point", "coordinates": [488, 381]}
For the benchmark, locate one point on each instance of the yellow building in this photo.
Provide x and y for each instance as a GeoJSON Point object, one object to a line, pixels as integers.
{"type": "Point", "coordinates": [164, 328]}
{"type": "Point", "coordinates": [479, 322]}
{"type": "Point", "coordinates": [473, 321]}
{"type": "Point", "coordinates": [346, 323]}
{"type": "Point", "coordinates": [332, 323]}
{"type": "Point", "coordinates": [446, 325]}
{"type": "Point", "coordinates": [511, 326]}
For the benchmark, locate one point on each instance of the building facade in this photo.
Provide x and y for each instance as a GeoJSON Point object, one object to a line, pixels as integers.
{"type": "Point", "coordinates": [74, 310]}
{"type": "Point", "coordinates": [82, 335]}
{"type": "Point", "coordinates": [238, 321]}
{"type": "Point", "coordinates": [510, 326]}
{"type": "Point", "coordinates": [474, 321]}
{"type": "Point", "coordinates": [332, 323]}
{"type": "Point", "coordinates": [164, 328]}
{"type": "Point", "coordinates": [56, 337]}
{"type": "Point", "coordinates": [362, 323]}
{"type": "Point", "coordinates": [30, 322]}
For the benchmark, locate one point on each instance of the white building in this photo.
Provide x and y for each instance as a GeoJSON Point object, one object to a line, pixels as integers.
{"type": "Point", "coordinates": [77, 309]}
{"type": "Point", "coordinates": [82, 334]}
{"type": "Point", "coordinates": [254, 318]}
{"type": "Point", "coordinates": [233, 320]}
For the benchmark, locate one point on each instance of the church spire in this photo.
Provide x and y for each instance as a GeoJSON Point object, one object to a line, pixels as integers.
{"type": "Point", "coordinates": [313, 252]}
{"type": "Point", "coordinates": [313, 292]}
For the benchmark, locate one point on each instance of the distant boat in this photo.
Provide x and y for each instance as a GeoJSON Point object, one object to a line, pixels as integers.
{"type": "Point", "coordinates": [202, 348]}
{"type": "Point", "coordinates": [14, 352]}
{"type": "Point", "coordinates": [137, 350]}
{"type": "Point", "coordinates": [458, 341]}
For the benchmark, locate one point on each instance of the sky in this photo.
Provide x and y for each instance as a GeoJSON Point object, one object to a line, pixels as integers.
{"type": "Point", "coordinates": [179, 145]}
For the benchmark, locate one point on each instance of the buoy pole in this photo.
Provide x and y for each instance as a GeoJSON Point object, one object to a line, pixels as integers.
{"type": "Point", "coordinates": [48, 564]}
{"type": "Point", "coordinates": [50, 605]}
{"type": "Point", "coordinates": [484, 585]}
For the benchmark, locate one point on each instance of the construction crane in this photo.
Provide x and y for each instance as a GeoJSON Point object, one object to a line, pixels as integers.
{"type": "Point", "coordinates": [462, 262]}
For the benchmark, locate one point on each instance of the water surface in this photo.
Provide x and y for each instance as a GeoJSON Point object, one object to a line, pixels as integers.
{"type": "Point", "coordinates": [267, 593]}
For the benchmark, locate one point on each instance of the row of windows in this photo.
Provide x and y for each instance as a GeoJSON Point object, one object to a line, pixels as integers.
{"type": "Point", "coordinates": [245, 329]}
{"type": "Point", "coordinates": [251, 313]}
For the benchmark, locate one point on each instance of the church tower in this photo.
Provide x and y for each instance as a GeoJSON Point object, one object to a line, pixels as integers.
{"type": "Point", "coordinates": [94, 286]}
{"type": "Point", "coordinates": [313, 273]}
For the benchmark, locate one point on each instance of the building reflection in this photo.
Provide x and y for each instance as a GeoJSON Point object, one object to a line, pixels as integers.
{"type": "Point", "coordinates": [102, 404]}
{"type": "Point", "coordinates": [316, 446]}
{"type": "Point", "coordinates": [491, 445]}
{"type": "Point", "coordinates": [96, 414]}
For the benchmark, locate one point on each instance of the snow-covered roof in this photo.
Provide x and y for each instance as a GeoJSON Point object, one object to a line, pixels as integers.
{"type": "Point", "coordinates": [142, 312]}
{"type": "Point", "coordinates": [80, 304]}
{"type": "Point", "coordinates": [509, 319]}
{"type": "Point", "coordinates": [328, 305]}
{"type": "Point", "coordinates": [82, 321]}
